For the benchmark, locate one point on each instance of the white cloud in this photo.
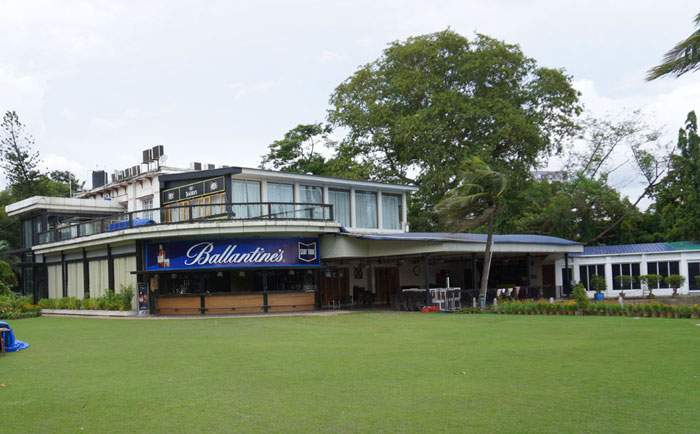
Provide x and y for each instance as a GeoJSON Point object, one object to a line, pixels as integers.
{"type": "Point", "coordinates": [108, 123]}
{"type": "Point", "coordinates": [241, 90]}
{"type": "Point", "coordinates": [328, 56]}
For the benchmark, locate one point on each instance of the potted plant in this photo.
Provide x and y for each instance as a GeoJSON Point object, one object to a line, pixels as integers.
{"type": "Point", "coordinates": [695, 311]}
{"type": "Point", "coordinates": [650, 281]}
{"type": "Point", "coordinates": [675, 281]}
{"type": "Point", "coordinates": [599, 285]}
{"type": "Point", "coordinates": [625, 281]}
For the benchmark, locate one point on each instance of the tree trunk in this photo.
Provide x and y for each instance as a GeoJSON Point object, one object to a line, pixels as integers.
{"type": "Point", "coordinates": [487, 262]}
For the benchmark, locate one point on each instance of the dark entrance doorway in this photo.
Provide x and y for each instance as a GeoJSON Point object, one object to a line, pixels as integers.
{"type": "Point", "coordinates": [387, 283]}
{"type": "Point", "coordinates": [334, 284]}
{"type": "Point", "coordinates": [548, 282]}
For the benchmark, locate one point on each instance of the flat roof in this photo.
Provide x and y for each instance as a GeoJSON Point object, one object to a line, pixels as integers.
{"type": "Point", "coordinates": [464, 238]}
{"type": "Point", "coordinates": [63, 204]}
{"type": "Point", "coordinates": [631, 249]}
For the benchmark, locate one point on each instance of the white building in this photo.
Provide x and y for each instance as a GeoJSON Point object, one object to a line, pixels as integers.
{"type": "Point", "coordinates": [682, 258]}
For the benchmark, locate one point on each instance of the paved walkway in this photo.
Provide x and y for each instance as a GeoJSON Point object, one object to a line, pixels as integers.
{"type": "Point", "coordinates": [233, 315]}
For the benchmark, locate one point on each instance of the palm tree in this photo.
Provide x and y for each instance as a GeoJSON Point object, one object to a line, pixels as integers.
{"type": "Point", "coordinates": [682, 58]}
{"type": "Point", "coordinates": [472, 203]}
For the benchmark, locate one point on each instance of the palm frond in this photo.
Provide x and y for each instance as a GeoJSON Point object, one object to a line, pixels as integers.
{"type": "Point", "coordinates": [683, 58]}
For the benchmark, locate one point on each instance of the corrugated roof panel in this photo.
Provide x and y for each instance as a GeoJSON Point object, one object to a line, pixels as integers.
{"type": "Point", "coordinates": [626, 249]}
{"type": "Point", "coordinates": [684, 245]}
{"type": "Point", "coordinates": [464, 238]}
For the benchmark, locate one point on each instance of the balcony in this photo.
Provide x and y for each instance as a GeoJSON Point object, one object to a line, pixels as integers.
{"type": "Point", "coordinates": [190, 214]}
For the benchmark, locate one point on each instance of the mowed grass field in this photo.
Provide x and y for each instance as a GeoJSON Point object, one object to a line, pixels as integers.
{"type": "Point", "coordinates": [389, 372]}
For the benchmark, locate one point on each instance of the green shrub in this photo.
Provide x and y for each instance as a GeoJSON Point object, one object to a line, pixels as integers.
{"type": "Point", "coordinates": [85, 304]}
{"type": "Point", "coordinates": [598, 283]}
{"type": "Point", "coordinates": [126, 295]}
{"type": "Point", "coordinates": [579, 294]}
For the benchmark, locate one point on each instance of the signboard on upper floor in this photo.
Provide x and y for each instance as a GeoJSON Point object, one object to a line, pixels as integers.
{"type": "Point", "coordinates": [241, 252]}
{"type": "Point", "coordinates": [194, 190]}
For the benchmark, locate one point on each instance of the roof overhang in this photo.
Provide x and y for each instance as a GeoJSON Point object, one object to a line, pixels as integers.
{"type": "Point", "coordinates": [62, 204]}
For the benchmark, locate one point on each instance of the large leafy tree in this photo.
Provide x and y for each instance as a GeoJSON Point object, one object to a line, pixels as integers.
{"type": "Point", "coordinates": [678, 196]}
{"type": "Point", "coordinates": [475, 202]}
{"type": "Point", "coordinates": [683, 58]}
{"type": "Point", "coordinates": [300, 151]}
{"type": "Point", "coordinates": [434, 101]}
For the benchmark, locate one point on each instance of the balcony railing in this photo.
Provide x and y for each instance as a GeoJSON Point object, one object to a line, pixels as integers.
{"type": "Point", "coordinates": [190, 214]}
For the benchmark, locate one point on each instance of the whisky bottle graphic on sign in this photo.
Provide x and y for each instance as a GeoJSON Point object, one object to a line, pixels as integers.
{"type": "Point", "coordinates": [161, 256]}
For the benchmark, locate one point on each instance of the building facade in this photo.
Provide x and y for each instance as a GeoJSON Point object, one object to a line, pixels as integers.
{"type": "Point", "coordinates": [663, 259]}
{"type": "Point", "coordinates": [240, 240]}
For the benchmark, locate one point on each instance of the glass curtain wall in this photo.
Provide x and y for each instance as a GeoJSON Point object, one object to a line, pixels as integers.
{"type": "Point", "coordinates": [312, 195]}
{"type": "Point", "coordinates": [281, 193]}
{"type": "Point", "coordinates": [391, 211]}
{"type": "Point", "coordinates": [366, 209]}
{"type": "Point", "coordinates": [340, 199]}
{"type": "Point", "coordinates": [245, 192]}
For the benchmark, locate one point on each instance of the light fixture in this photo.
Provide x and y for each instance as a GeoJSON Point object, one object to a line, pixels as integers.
{"type": "Point", "coordinates": [291, 272]}
{"type": "Point", "coordinates": [309, 271]}
{"type": "Point", "coordinates": [173, 276]}
{"type": "Point", "coordinates": [241, 274]}
{"type": "Point", "coordinates": [219, 274]}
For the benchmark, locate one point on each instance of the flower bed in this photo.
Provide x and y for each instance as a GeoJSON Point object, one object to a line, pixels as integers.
{"type": "Point", "coordinates": [572, 307]}
{"type": "Point", "coordinates": [15, 307]}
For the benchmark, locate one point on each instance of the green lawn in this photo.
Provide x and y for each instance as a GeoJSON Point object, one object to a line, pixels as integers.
{"type": "Point", "coordinates": [391, 372]}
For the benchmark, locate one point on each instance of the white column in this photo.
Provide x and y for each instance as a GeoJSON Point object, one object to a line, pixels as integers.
{"type": "Point", "coordinates": [404, 212]}
{"type": "Point", "coordinates": [380, 211]}
{"type": "Point", "coordinates": [326, 199]}
{"type": "Point", "coordinates": [608, 275]}
{"type": "Point", "coordinates": [683, 271]}
{"type": "Point", "coordinates": [353, 220]}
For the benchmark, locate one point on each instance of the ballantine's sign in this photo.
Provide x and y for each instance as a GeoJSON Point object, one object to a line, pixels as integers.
{"type": "Point", "coordinates": [243, 252]}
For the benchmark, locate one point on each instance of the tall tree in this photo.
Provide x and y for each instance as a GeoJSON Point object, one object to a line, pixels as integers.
{"type": "Point", "coordinates": [299, 151]}
{"type": "Point", "coordinates": [474, 202]}
{"type": "Point", "coordinates": [683, 58]}
{"type": "Point", "coordinates": [678, 195]}
{"type": "Point", "coordinates": [17, 158]}
{"type": "Point", "coordinates": [434, 101]}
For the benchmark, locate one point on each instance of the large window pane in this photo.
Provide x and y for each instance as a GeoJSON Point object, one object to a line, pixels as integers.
{"type": "Point", "coordinates": [588, 271]}
{"type": "Point", "coordinates": [693, 274]}
{"type": "Point", "coordinates": [366, 209]}
{"type": "Point", "coordinates": [391, 211]}
{"type": "Point", "coordinates": [312, 195]}
{"type": "Point", "coordinates": [281, 193]}
{"type": "Point", "coordinates": [625, 270]}
{"type": "Point", "coordinates": [245, 192]}
{"type": "Point", "coordinates": [341, 206]}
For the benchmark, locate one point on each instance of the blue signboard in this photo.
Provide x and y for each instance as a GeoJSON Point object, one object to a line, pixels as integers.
{"type": "Point", "coordinates": [241, 252]}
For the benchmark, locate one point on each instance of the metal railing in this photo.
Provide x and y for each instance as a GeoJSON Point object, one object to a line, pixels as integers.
{"type": "Point", "coordinates": [190, 214]}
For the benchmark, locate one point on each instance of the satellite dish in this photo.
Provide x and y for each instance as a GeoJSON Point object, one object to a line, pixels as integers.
{"type": "Point", "coordinates": [163, 159]}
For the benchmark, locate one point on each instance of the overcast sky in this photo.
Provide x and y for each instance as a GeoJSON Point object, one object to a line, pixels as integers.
{"type": "Point", "coordinates": [216, 82]}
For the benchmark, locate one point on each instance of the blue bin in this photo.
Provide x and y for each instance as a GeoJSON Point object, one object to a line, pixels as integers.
{"type": "Point", "coordinates": [599, 296]}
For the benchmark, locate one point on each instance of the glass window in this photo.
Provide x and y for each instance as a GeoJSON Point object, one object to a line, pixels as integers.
{"type": "Point", "coordinates": [312, 195]}
{"type": "Point", "coordinates": [694, 276]}
{"type": "Point", "coordinates": [625, 270]}
{"type": "Point", "coordinates": [27, 233]}
{"type": "Point", "coordinates": [245, 192]}
{"type": "Point", "coordinates": [588, 271]}
{"type": "Point", "coordinates": [282, 194]}
{"type": "Point", "coordinates": [366, 209]}
{"type": "Point", "coordinates": [391, 211]}
{"type": "Point", "coordinates": [664, 269]}
{"type": "Point", "coordinates": [340, 199]}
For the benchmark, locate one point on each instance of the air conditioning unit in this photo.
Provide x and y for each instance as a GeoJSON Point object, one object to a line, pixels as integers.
{"type": "Point", "coordinates": [156, 152]}
{"type": "Point", "coordinates": [210, 166]}
{"type": "Point", "coordinates": [147, 155]}
{"type": "Point", "coordinates": [195, 166]}
{"type": "Point", "coordinates": [136, 170]}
